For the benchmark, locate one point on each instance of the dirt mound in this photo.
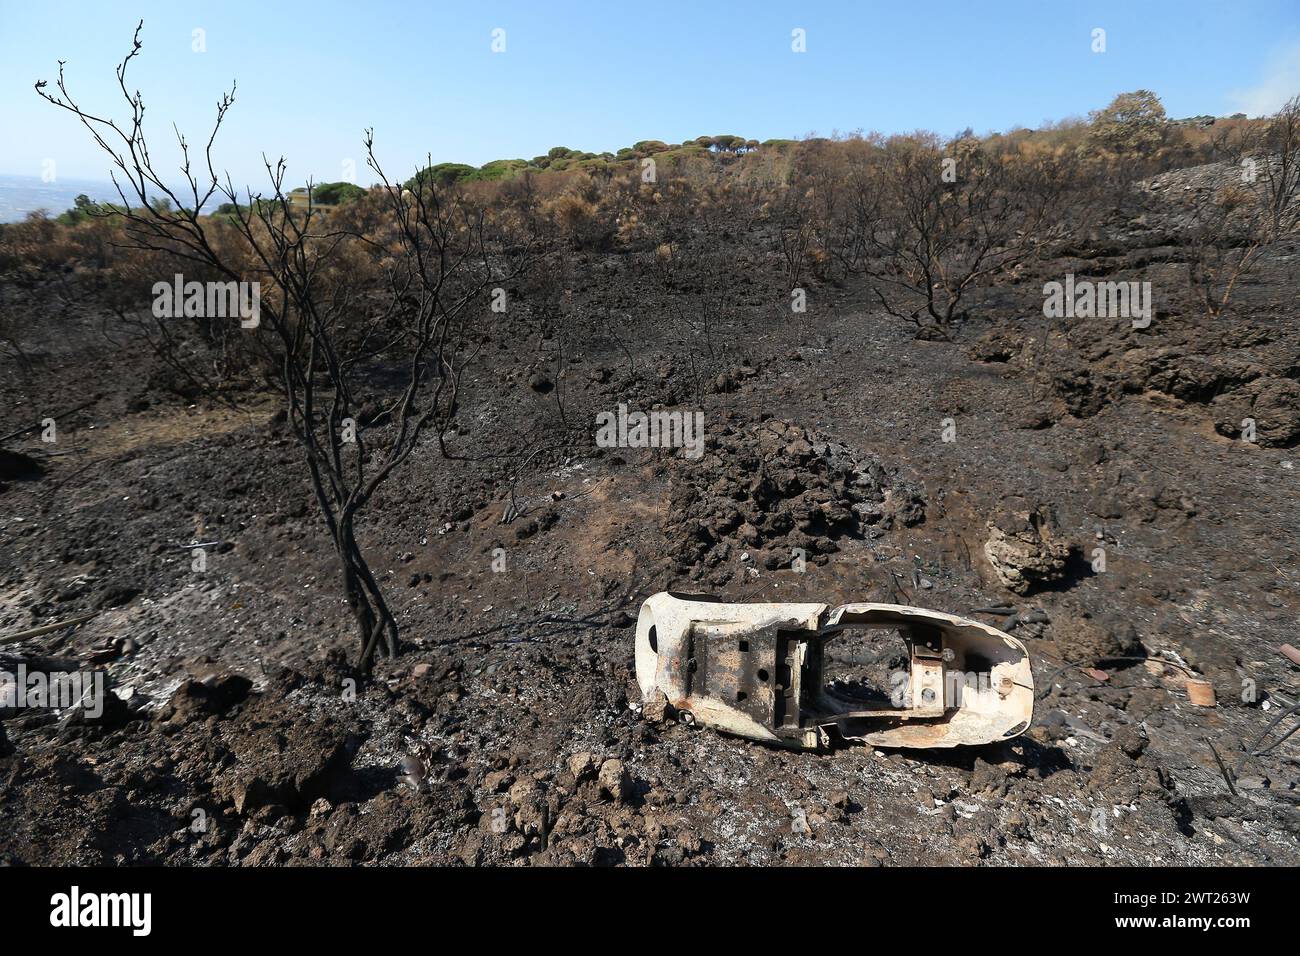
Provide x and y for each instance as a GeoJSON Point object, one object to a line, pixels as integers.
{"type": "Point", "coordinates": [1023, 548]}
{"type": "Point", "coordinates": [773, 493]}
{"type": "Point", "coordinates": [1271, 405]}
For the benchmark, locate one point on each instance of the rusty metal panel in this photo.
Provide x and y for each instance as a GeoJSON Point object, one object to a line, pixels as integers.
{"type": "Point", "coordinates": [757, 670]}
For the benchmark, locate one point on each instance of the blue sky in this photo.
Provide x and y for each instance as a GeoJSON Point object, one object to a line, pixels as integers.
{"type": "Point", "coordinates": [598, 76]}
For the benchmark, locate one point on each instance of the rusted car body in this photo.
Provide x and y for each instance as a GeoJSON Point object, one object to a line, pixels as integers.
{"type": "Point", "coordinates": [758, 671]}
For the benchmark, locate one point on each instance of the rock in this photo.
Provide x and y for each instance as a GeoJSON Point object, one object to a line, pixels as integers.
{"type": "Point", "coordinates": [1082, 389]}
{"type": "Point", "coordinates": [654, 709]}
{"type": "Point", "coordinates": [1132, 742]}
{"type": "Point", "coordinates": [582, 765]}
{"type": "Point", "coordinates": [471, 851]}
{"type": "Point", "coordinates": [1104, 506]}
{"type": "Point", "coordinates": [1277, 413]}
{"type": "Point", "coordinates": [1034, 418]}
{"type": "Point", "coordinates": [904, 507]}
{"type": "Point", "coordinates": [112, 711]}
{"type": "Point", "coordinates": [1125, 638]}
{"type": "Point", "coordinates": [1002, 343]}
{"type": "Point", "coordinates": [988, 777]}
{"type": "Point", "coordinates": [690, 842]}
{"type": "Point", "coordinates": [874, 856]}
{"type": "Point", "coordinates": [524, 792]}
{"type": "Point", "coordinates": [498, 781]}
{"type": "Point", "coordinates": [614, 780]}
{"type": "Point", "coordinates": [195, 699]}
{"type": "Point", "coordinates": [1190, 378]}
{"type": "Point", "coordinates": [1273, 403]}
{"type": "Point", "coordinates": [1231, 410]}
{"type": "Point", "coordinates": [777, 492]}
{"type": "Point", "coordinates": [6, 748]}
{"type": "Point", "coordinates": [373, 414]}
{"type": "Point", "coordinates": [422, 670]}
{"type": "Point", "coordinates": [1021, 547]}
{"type": "Point", "coordinates": [287, 761]}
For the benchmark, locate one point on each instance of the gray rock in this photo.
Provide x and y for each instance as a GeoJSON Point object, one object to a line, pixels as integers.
{"type": "Point", "coordinates": [614, 780]}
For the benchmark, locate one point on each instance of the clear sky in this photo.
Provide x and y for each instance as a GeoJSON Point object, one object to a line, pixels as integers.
{"type": "Point", "coordinates": [601, 75]}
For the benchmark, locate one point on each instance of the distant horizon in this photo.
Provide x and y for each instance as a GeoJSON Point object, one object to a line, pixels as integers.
{"type": "Point", "coordinates": [21, 194]}
{"type": "Point", "coordinates": [512, 80]}
{"type": "Point", "coordinates": [106, 182]}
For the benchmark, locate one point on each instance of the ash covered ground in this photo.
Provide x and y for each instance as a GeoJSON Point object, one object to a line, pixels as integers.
{"type": "Point", "coordinates": [506, 733]}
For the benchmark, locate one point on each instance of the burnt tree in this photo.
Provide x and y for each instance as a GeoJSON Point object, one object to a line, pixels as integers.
{"type": "Point", "coordinates": [365, 332]}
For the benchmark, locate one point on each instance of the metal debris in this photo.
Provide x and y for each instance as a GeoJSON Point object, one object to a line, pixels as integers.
{"type": "Point", "coordinates": [48, 628]}
{"type": "Point", "coordinates": [758, 671]}
{"type": "Point", "coordinates": [1200, 692]}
